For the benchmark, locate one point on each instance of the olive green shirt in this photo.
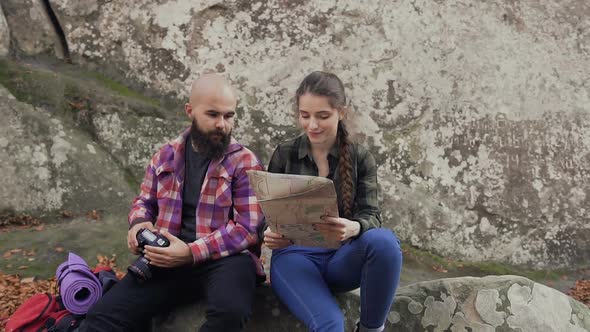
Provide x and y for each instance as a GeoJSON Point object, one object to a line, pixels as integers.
{"type": "Point", "coordinates": [295, 157]}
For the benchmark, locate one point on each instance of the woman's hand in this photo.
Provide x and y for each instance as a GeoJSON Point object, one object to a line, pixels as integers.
{"type": "Point", "coordinates": [275, 240]}
{"type": "Point", "coordinates": [339, 229]}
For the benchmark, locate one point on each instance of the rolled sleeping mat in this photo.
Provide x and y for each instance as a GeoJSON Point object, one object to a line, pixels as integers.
{"type": "Point", "coordinates": [78, 286]}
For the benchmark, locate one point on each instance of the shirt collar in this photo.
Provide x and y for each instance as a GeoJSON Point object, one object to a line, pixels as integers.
{"type": "Point", "coordinates": [305, 148]}
{"type": "Point", "coordinates": [178, 143]}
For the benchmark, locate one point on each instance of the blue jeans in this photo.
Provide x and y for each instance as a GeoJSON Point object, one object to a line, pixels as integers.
{"type": "Point", "coordinates": [304, 279]}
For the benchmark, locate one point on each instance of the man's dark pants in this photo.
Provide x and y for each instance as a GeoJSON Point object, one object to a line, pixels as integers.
{"type": "Point", "coordinates": [227, 285]}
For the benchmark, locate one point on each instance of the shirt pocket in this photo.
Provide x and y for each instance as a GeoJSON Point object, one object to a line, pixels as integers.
{"type": "Point", "coordinates": [223, 199]}
{"type": "Point", "coordinates": [165, 181]}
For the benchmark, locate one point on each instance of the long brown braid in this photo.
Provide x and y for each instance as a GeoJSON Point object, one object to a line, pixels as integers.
{"type": "Point", "coordinates": [329, 85]}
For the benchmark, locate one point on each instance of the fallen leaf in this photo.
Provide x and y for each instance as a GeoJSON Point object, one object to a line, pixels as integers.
{"type": "Point", "coordinates": [59, 249]}
{"type": "Point", "coordinates": [67, 214]}
{"type": "Point", "coordinates": [17, 250]}
{"type": "Point", "coordinates": [581, 291]}
{"type": "Point", "coordinates": [39, 228]}
{"type": "Point", "coordinates": [93, 215]}
{"type": "Point", "coordinates": [563, 277]}
{"type": "Point", "coordinates": [27, 280]}
{"type": "Point", "coordinates": [14, 291]}
{"type": "Point", "coordinates": [439, 268]}
{"type": "Point", "coordinates": [7, 255]}
{"type": "Point", "coordinates": [31, 259]}
{"type": "Point", "coordinates": [76, 106]}
{"type": "Point", "coordinates": [23, 267]}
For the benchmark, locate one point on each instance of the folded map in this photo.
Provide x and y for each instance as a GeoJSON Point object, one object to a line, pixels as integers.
{"type": "Point", "coordinates": [293, 203]}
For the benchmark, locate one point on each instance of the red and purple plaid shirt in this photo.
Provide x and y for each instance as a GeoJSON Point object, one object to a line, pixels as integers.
{"type": "Point", "coordinates": [225, 187]}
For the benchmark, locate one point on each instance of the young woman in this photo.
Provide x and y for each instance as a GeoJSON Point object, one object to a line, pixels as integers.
{"type": "Point", "coordinates": [304, 278]}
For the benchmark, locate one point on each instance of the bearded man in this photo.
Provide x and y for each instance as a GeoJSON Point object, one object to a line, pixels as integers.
{"type": "Point", "coordinates": [196, 194]}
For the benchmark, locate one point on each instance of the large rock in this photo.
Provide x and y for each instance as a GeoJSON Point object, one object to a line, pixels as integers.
{"type": "Point", "coordinates": [4, 35]}
{"type": "Point", "coordinates": [132, 138]}
{"type": "Point", "coordinates": [50, 164]}
{"type": "Point", "coordinates": [32, 30]}
{"type": "Point", "coordinates": [494, 303]}
{"type": "Point", "coordinates": [476, 111]}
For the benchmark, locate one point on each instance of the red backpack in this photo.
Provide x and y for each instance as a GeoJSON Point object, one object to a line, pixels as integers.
{"type": "Point", "coordinates": [40, 313]}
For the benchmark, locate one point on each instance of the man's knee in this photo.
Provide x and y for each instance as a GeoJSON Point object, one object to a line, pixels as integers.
{"type": "Point", "coordinates": [100, 319]}
{"type": "Point", "coordinates": [223, 320]}
{"type": "Point", "coordinates": [237, 307]}
{"type": "Point", "coordinates": [237, 315]}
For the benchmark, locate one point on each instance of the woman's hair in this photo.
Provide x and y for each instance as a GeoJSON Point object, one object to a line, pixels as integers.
{"type": "Point", "coordinates": [329, 85]}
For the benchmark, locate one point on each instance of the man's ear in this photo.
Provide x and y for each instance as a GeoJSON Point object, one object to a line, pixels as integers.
{"type": "Point", "coordinates": [188, 109]}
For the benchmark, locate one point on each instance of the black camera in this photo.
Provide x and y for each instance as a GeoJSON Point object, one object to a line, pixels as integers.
{"type": "Point", "coordinates": [141, 268]}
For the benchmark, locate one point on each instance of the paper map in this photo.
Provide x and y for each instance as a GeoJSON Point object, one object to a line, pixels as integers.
{"type": "Point", "coordinates": [293, 203]}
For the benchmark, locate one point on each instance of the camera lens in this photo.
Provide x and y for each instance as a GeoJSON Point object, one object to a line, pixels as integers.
{"type": "Point", "coordinates": [140, 268]}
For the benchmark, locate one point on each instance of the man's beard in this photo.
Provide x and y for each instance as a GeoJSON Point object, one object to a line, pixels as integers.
{"type": "Point", "coordinates": [205, 144]}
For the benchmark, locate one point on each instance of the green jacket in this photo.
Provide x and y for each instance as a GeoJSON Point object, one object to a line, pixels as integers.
{"type": "Point", "coordinates": [295, 157]}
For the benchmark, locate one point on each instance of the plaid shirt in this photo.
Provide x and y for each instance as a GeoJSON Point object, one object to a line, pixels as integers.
{"type": "Point", "coordinates": [225, 193]}
{"type": "Point", "coordinates": [294, 157]}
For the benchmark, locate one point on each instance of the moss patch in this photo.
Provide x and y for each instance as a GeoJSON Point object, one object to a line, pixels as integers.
{"type": "Point", "coordinates": [40, 88]}
{"type": "Point", "coordinates": [477, 268]}
{"type": "Point", "coordinates": [120, 89]}
{"type": "Point", "coordinates": [66, 89]}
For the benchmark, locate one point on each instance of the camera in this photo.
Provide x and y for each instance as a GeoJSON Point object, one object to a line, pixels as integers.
{"type": "Point", "coordinates": [141, 268]}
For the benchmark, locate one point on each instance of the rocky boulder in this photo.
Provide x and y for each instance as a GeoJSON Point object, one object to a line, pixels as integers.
{"type": "Point", "coordinates": [99, 123]}
{"type": "Point", "coordinates": [4, 35]}
{"type": "Point", "coordinates": [493, 303]}
{"type": "Point", "coordinates": [476, 111]}
{"type": "Point", "coordinates": [32, 30]}
{"type": "Point", "coordinates": [51, 164]}
{"type": "Point", "coordinates": [472, 110]}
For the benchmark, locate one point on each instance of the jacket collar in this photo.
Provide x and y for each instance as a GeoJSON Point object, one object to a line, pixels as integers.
{"type": "Point", "coordinates": [305, 148]}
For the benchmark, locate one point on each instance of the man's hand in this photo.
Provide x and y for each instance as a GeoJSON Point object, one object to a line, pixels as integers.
{"type": "Point", "coordinates": [132, 236]}
{"type": "Point", "coordinates": [275, 240]}
{"type": "Point", "coordinates": [176, 254]}
{"type": "Point", "coordinates": [339, 229]}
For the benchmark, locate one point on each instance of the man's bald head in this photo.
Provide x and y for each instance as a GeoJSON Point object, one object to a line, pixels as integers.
{"type": "Point", "coordinates": [211, 108]}
{"type": "Point", "coordinates": [209, 87]}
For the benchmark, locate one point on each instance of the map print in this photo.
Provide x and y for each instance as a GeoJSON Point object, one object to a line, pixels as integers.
{"type": "Point", "coordinates": [293, 203]}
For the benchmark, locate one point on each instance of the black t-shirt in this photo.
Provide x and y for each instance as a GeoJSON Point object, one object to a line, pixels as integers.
{"type": "Point", "coordinates": [196, 165]}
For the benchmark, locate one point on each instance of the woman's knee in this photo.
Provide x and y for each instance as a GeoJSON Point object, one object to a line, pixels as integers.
{"type": "Point", "coordinates": [383, 242]}
{"type": "Point", "coordinates": [380, 237]}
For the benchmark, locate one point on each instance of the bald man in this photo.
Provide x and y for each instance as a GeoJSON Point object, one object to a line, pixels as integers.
{"type": "Point", "coordinates": [196, 194]}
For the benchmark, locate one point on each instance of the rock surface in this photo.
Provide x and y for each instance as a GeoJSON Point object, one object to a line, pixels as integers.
{"type": "Point", "coordinates": [493, 303]}
{"type": "Point", "coordinates": [4, 35]}
{"type": "Point", "coordinates": [477, 112]}
{"type": "Point", "coordinates": [31, 28]}
{"type": "Point", "coordinates": [50, 164]}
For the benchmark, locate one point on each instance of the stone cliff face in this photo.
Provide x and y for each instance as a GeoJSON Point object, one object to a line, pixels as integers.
{"type": "Point", "coordinates": [477, 112]}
